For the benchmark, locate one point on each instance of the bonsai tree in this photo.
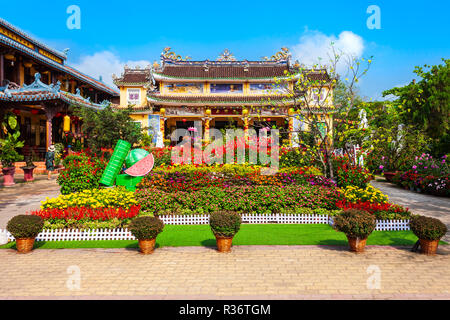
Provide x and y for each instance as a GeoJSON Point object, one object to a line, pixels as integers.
{"type": "Point", "coordinates": [146, 229]}
{"type": "Point", "coordinates": [357, 226]}
{"type": "Point", "coordinates": [224, 225]}
{"type": "Point", "coordinates": [25, 229]}
{"type": "Point", "coordinates": [429, 231]}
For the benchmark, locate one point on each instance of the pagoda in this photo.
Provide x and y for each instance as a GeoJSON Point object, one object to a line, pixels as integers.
{"type": "Point", "coordinates": [225, 93]}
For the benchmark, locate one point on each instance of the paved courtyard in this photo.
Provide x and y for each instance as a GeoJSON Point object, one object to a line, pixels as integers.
{"type": "Point", "coordinates": [249, 272]}
{"type": "Point", "coordinates": [25, 197]}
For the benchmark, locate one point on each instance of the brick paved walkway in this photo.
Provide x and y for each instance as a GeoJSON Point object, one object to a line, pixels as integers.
{"type": "Point", "coordinates": [418, 203]}
{"type": "Point", "coordinates": [24, 197]}
{"type": "Point", "coordinates": [249, 272]}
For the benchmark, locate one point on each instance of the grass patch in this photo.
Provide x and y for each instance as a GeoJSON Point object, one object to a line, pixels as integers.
{"type": "Point", "coordinates": [259, 234]}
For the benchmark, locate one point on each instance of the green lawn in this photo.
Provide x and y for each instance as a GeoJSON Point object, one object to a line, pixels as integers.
{"type": "Point", "coordinates": [262, 234]}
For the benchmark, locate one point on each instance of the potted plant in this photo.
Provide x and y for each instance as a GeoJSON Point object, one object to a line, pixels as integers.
{"type": "Point", "coordinates": [28, 169]}
{"type": "Point", "coordinates": [25, 229]}
{"type": "Point", "coordinates": [8, 146]}
{"type": "Point", "coordinates": [224, 225]}
{"type": "Point", "coordinates": [146, 229]}
{"type": "Point", "coordinates": [429, 231]}
{"type": "Point", "coordinates": [357, 226]}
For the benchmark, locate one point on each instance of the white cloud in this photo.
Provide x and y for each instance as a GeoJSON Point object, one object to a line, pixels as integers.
{"type": "Point", "coordinates": [105, 64]}
{"type": "Point", "coordinates": [315, 44]}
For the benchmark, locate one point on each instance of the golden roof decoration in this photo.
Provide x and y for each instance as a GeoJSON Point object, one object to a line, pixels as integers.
{"type": "Point", "coordinates": [284, 54]}
{"type": "Point", "coordinates": [172, 55]}
{"type": "Point", "coordinates": [226, 56]}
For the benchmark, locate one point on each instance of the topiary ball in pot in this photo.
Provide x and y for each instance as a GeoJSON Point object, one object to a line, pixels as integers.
{"type": "Point", "coordinates": [429, 231]}
{"type": "Point", "coordinates": [146, 229]}
{"type": "Point", "coordinates": [357, 226]}
{"type": "Point", "coordinates": [224, 225]}
{"type": "Point", "coordinates": [25, 229]}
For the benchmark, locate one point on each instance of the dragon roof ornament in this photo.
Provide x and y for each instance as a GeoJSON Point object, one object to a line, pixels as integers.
{"type": "Point", "coordinates": [284, 54]}
{"type": "Point", "coordinates": [167, 54]}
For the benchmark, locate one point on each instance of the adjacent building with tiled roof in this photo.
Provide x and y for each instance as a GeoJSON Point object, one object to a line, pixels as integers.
{"type": "Point", "coordinates": [37, 84]}
{"type": "Point", "coordinates": [180, 93]}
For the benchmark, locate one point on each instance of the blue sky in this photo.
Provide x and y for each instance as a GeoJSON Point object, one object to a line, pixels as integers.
{"type": "Point", "coordinates": [135, 32]}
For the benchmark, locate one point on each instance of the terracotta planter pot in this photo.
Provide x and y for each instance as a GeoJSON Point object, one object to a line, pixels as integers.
{"type": "Point", "coordinates": [224, 244]}
{"type": "Point", "coordinates": [147, 246]}
{"type": "Point", "coordinates": [356, 244]}
{"type": "Point", "coordinates": [24, 245]}
{"type": "Point", "coordinates": [389, 176]}
{"type": "Point", "coordinates": [28, 173]}
{"type": "Point", "coordinates": [8, 176]}
{"type": "Point", "coordinates": [428, 247]}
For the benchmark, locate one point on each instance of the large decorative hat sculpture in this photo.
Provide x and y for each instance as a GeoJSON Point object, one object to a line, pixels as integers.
{"type": "Point", "coordinates": [138, 162]}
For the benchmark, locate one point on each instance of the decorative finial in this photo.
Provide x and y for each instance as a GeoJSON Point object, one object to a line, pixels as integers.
{"type": "Point", "coordinates": [226, 56]}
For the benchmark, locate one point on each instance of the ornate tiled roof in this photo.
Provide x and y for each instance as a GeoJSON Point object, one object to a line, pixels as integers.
{"type": "Point", "coordinates": [134, 77]}
{"type": "Point", "coordinates": [38, 92]}
{"type": "Point", "coordinates": [23, 34]}
{"type": "Point", "coordinates": [7, 41]}
{"type": "Point", "coordinates": [223, 71]}
{"type": "Point", "coordinates": [157, 98]}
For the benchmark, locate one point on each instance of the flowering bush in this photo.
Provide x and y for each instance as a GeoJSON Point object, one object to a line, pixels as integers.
{"type": "Point", "coordinates": [81, 172]}
{"type": "Point", "coordinates": [383, 211]}
{"type": "Point", "coordinates": [348, 174]}
{"type": "Point", "coordinates": [117, 197]}
{"type": "Point", "coordinates": [354, 194]}
{"type": "Point", "coordinates": [244, 199]}
{"type": "Point", "coordinates": [426, 174]}
{"type": "Point", "coordinates": [87, 218]}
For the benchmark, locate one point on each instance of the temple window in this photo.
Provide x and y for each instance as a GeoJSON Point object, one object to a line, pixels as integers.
{"type": "Point", "coordinates": [226, 88]}
{"type": "Point", "coordinates": [134, 96]}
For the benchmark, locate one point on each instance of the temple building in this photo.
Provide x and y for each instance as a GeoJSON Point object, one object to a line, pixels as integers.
{"type": "Point", "coordinates": [180, 93]}
{"type": "Point", "coordinates": [38, 86]}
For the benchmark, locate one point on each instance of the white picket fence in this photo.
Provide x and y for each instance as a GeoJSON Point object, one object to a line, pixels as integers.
{"type": "Point", "coordinates": [124, 234]}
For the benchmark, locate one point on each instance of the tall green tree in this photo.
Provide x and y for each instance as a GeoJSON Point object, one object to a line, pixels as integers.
{"type": "Point", "coordinates": [103, 128]}
{"type": "Point", "coordinates": [426, 104]}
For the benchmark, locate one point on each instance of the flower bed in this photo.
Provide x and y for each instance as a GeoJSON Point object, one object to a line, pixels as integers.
{"type": "Point", "coordinates": [244, 199]}
{"type": "Point", "coordinates": [117, 197]}
{"type": "Point", "coordinates": [191, 178]}
{"type": "Point", "coordinates": [87, 218]}
{"type": "Point", "coordinates": [427, 174]}
{"type": "Point", "coordinates": [382, 211]}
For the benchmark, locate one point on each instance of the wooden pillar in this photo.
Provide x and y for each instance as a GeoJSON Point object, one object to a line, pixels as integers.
{"type": "Point", "coordinates": [50, 112]}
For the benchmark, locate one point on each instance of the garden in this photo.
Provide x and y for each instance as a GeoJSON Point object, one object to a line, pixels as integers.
{"type": "Point", "coordinates": [320, 188]}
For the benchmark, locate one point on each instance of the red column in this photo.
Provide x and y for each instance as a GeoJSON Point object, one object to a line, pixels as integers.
{"type": "Point", "coordinates": [50, 112]}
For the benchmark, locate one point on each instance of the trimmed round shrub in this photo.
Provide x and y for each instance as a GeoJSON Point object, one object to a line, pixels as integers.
{"type": "Point", "coordinates": [146, 228]}
{"type": "Point", "coordinates": [225, 223]}
{"type": "Point", "coordinates": [427, 228]}
{"type": "Point", "coordinates": [355, 223]}
{"type": "Point", "coordinates": [25, 226]}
